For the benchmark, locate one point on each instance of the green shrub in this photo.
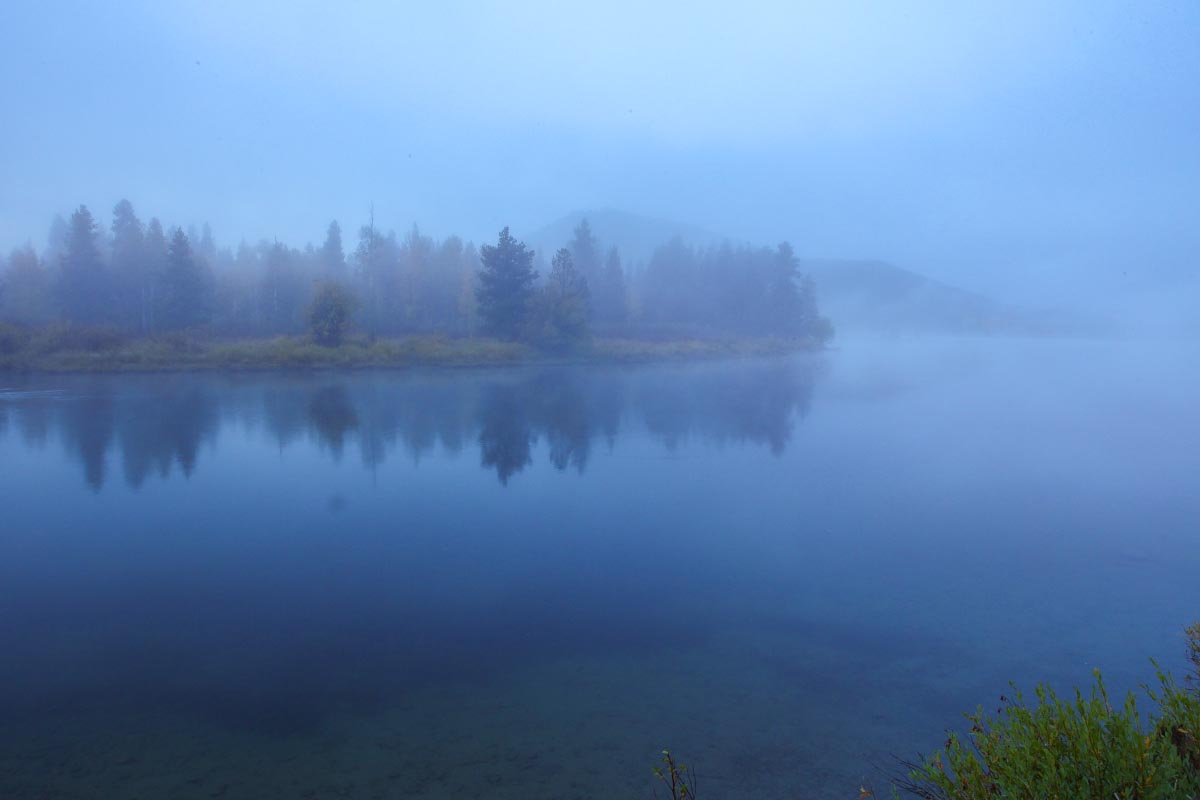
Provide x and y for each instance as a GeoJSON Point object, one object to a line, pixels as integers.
{"type": "Point", "coordinates": [677, 779]}
{"type": "Point", "coordinates": [330, 313]}
{"type": "Point", "coordinates": [1073, 749]}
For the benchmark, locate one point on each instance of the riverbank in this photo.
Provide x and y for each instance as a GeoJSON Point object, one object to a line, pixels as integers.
{"type": "Point", "coordinates": [180, 353]}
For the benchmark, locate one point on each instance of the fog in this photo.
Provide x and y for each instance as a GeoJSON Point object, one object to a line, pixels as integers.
{"type": "Point", "coordinates": [1040, 155]}
{"type": "Point", "coordinates": [507, 399]}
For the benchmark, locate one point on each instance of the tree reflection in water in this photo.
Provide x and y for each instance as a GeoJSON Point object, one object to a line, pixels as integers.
{"type": "Point", "coordinates": [156, 423]}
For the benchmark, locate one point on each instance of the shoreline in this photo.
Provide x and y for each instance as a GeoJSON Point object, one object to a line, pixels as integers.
{"type": "Point", "coordinates": [290, 353]}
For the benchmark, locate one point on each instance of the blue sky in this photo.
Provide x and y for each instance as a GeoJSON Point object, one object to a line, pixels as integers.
{"type": "Point", "coordinates": [1012, 147]}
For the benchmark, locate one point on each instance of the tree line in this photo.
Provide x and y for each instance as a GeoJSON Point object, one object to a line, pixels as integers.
{"type": "Point", "coordinates": [144, 279]}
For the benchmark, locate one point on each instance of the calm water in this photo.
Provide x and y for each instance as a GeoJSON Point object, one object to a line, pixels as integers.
{"type": "Point", "coordinates": [525, 584]}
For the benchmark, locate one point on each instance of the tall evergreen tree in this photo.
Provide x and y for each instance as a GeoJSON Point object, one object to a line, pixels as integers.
{"type": "Point", "coordinates": [505, 286]}
{"type": "Point", "coordinates": [585, 252]}
{"type": "Point", "coordinates": [206, 248]}
{"type": "Point", "coordinates": [414, 296]}
{"type": "Point", "coordinates": [670, 284]}
{"type": "Point", "coordinates": [27, 289]}
{"type": "Point", "coordinates": [375, 262]}
{"type": "Point", "coordinates": [128, 258]}
{"type": "Point", "coordinates": [332, 256]}
{"type": "Point", "coordinates": [283, 290]}
{"type": "Point", "coordinates": [608, 295]}
{"type": "Point", "coordinates": [84, 291]}
{"type": "Point", "coordinates": [56, 240]}
{"type": "Point", "coordinates": [466, 305]}
{"type": "Point", "coordinates": [186, 287]}
{"type": "Point", "coordinates": [154, 267]}
{"type": "Point", "coordinates": [563, 305]}
{"type": "Point", "coordinates": [783, 308]}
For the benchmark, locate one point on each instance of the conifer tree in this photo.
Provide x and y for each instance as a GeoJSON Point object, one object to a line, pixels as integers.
{"type": "Point", "coordinates": [84, 291]}
{"type": "Point", "coordinates": [128, 257]}
{"type": "Point", "coordinates": [505, 286]}
{"type": "Point", "coordinates": [186, 288]}
{"type": "Point", "coordinates": [563, 305]}
{"type": "Point", "coordinates": [333, 257]}
{"type": "Point", "coordinates": [585, 252]}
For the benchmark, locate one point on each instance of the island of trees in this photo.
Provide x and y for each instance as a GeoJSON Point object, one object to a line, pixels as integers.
{"type": "Point", "coordinates": [152, 295]}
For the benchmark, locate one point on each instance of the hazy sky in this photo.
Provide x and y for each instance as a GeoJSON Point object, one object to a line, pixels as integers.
{"type": "Point", "coordinates": [997, 145]}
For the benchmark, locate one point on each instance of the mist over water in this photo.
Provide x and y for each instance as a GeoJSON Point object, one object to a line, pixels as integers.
{"type": "Point", "coordinates": [526, 583]}
{"type": "Point", "coordinates": [467, 399]}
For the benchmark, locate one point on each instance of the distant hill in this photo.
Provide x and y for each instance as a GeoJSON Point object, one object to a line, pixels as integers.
{"type": "Point", "coordinates": [860, 296]}
{"type": "Point", "coordinates": [879, 297]}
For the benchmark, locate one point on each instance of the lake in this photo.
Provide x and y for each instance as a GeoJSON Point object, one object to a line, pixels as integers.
{"type": "Point", "coordinates": [526, 583]}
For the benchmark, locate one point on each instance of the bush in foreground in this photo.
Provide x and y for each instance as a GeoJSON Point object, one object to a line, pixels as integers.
{"type": "Point", "coordinates": [1080, 747]}
{"type": "Point", "coordinates": [678, 780]}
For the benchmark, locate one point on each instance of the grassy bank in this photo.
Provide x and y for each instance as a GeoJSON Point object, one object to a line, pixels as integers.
{"type": "Point", "coordinates": [92, 350]}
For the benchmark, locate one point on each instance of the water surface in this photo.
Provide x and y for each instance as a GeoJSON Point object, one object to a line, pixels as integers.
{"type": "Point", "coordinates": [525, 583]}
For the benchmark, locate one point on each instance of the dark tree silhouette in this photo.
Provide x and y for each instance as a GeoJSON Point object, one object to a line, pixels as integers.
{"type": "Point", "coordinates": [186, 288]}
{"type": "Point", "coordinates": [608, 293]}
{"type": "Point", "coordinates": [333, 416]}
{"type": "Point", "coordinates": [156, 432]}
{"type": "Point", "coordinates": [283, 292]}
{"type": "Point", "coordinates": [128, 259]}
{"type": "Point", "coordinates": [565, 415]}
{"type": "Point", "coordinates": [206, 248]}
{"type": "Point", "coordinates": [87, 424]}
{"type": "Point", "coordinates": [505, 434]}
{"type": "Point", "coordinates": [333, 257]}
{"type": "Point", "coordinates": [585, 250]}
{"type": "Point", "coordinates": [562, 305]}
{"type": "Point", "coordinates": [376, 267]}
{"type": "Point", "coordinates": [154, 268]}
{"type": "Point", "coordinates": [505, 286]}
{"type": "Point", "coordinates": [56, 240]}
{"type": "Point", "coordinates": [84, 289]}
{"type": "Point", "coordinates": [27, 289]}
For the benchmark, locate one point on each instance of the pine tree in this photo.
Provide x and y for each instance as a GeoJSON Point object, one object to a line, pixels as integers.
{"type": "Point", "coordinates": [27, 289]}
{"type": "Point", "coordinates": [84, 290]}
{"type": "Point", "coordinates": [782, 301]}
{"type": "Point", "coordinates": [128, 258]}
{"type": "Point", "coordinates": [585, 251]}
{"type": "Point", "coordinates": [375, 261]}
{"type": "Point", "coordinates": [416, 256]}
{"type": "Point", "coordinates": [56, 240]}
{"type": "Point", "coordinates": [206, 248]}
{"type": "Point", "coordinates": [505, 286]}
{"type": "Point", "coordinates": [332, 256]}
{"type": "Point", "coordinates": [563, 305]}
{"type": "Point", "coordinates": [282, 291]}
{"type": "Point", "coordinates": [186, 287]}
{"type": "Point", "coordinates": [154, 266]}
{"type": "Point", "coordinates": [608, 297]}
